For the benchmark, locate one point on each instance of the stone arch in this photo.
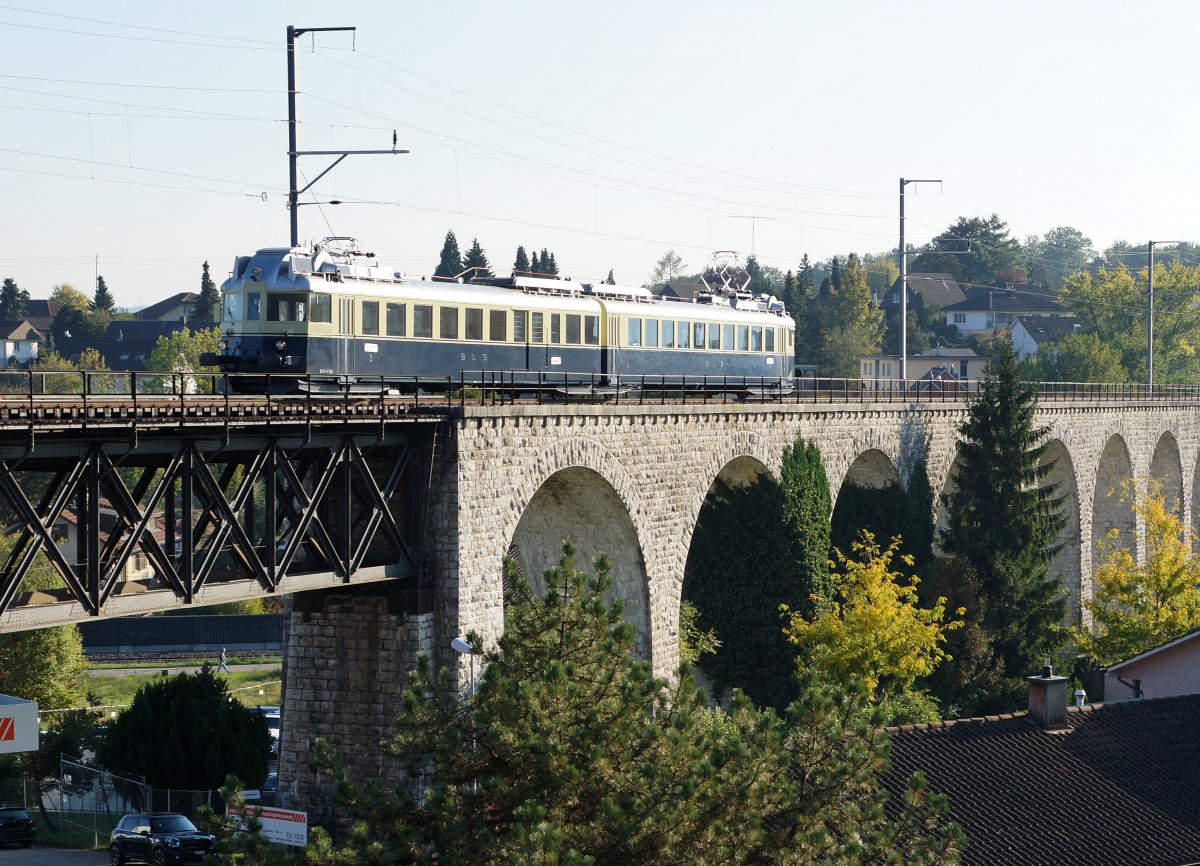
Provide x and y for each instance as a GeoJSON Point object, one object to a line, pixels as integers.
{"type": "Point", "coordinates": [882, 463]}
{"type": "Point", "coordinates": [1166, 471]}
{"type": "Point", "coordinates": [1067, 564]}
{"type": "Point", "coordinates": [870, 497]}
{"type": "Point", "coordinates": [578, 491]}
{"type": "Point", "coordinates": [1109, 510]}
{"type": "Point", "coordinates": [745, 454]}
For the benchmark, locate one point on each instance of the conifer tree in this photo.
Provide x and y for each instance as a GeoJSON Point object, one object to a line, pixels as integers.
{"type": "Point", "coordinates": [103, 299]}
{"type": "Point", "coordinates": [552, 267]}
{"type": "Point", "coordinates": [610, 281]}
{"type": "Point", "coordinates": [208, 305]}
{"type": "Point", "coordinates": [1003, 517]}
{"type": "Point", "coordinates": [476, 259]}
{"type": "Point", "coordinates": [570, 751]}
{"type": "Point", "coordinates": [12, 300]}
{"type": "Point", "coordinates": [535, 266]}
{"type": "Point", "coordinates": [451, 263]}
{"type": "Point", "coordinates": [521, 263]}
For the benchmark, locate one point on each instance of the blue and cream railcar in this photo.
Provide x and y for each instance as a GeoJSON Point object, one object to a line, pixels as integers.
{"type": "Point", "coordinates": [661, 337]}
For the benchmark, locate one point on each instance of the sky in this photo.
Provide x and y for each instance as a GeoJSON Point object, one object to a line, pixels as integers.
{"type": "Point", "coordinates": [144, 138]}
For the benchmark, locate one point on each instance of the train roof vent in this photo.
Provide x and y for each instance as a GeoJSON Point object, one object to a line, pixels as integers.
{"type": "Point", "coordinates": [620, 293]}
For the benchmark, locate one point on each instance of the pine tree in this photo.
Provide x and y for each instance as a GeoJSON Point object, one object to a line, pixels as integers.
{"type": "Point", "coordinates": [569, 751]}
{"type": "Point", "coordinates": [451, 263]}
{"type": "Point", "coordinates": [12, 300]}
{"type": "Point", "coordinates": [521, 263]}
{"type": "Point", "coordinates": [208, 305]}
{"type": "Point", "coordinates": [477, 260]}
{"type": "Point", "coordinates": [551, 268]}
{"type": "Point", "coordinates": [610, 281]}
{"type": "Point", "coordinates": [1003, 517]}
{"type": "Point", "coordinates": [535, 266]}
{"type": "Point", "coordinates": [103, 299]}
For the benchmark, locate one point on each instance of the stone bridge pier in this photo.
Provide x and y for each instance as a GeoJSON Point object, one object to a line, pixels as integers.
{"type": "Point", "coordinates": [630, 481]}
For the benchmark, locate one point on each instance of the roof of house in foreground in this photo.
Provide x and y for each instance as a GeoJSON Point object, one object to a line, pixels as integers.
{"type": "Point", "coordinates": [1120, 785]}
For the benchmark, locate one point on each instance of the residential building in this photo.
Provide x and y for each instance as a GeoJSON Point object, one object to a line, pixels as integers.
{"type": "Point", "coordinates": [1095, 785]}
{"type": "Point", "coordinates": [1167, 670]}
{"type": "Point", "coordinates": [934, 290]}
{"type": "Point", "coordinates": [1031, 334]}
{"type": "Point", "coordinates": [177, 308]}
{"type": "Point", "coordinates": [40, 313]}
{"type": "Point", "coordinates": [127, 343]}
{"type": "Point", "coordinates": [989, 309]}
{"type": "Point", "coordinates": [961, 364]}
{"type": "Point", "coordinates": [20, 342]}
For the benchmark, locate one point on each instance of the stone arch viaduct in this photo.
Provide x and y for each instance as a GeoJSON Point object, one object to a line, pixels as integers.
{"type": "Point", "coordinates": [630, 481]}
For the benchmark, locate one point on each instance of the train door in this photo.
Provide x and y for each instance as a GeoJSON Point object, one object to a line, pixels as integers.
{"type": "Point", "coordinates": [612, 349]}
{"type": "Point", "coordinates": [345, 338]}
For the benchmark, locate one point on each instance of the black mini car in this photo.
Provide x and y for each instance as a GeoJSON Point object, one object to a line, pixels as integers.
{"type": "Point", "coordinates": [160, 838]}
{"type": "Point", "coordinates": [16, 826]}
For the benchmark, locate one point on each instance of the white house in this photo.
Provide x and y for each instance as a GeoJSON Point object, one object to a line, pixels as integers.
{"type": "Point", "coordinates": [989, 309]}
{"type": "Point", "coordinates": [1031, 334]}
{"type": "Point", "coordinates": [21, 342]}
{"type": "Point", "coordinates": [1165, 671]}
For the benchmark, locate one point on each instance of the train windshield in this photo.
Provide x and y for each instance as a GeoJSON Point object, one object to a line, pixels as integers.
{"type": "Point", "coordinates": [233, 307]}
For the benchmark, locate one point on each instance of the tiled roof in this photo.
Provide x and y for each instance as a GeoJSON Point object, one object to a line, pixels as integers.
{"type": "Point", "coordinates": [164, 306]}
{"type": "Point", "coordinates": [940, 289]}
{"type": "Point", "coordinates": [1048, 329]}
{"type": "Point", "coordinates": [1008, 301]}
{"type": "Point", "coordinates": [1118, 786]}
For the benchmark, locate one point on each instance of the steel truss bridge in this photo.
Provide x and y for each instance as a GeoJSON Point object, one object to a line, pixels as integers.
{"type": "Point", "coordinates": [122, 504]}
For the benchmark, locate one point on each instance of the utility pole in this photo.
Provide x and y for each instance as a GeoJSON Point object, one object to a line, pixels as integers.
{"type": "Point", "coordinates": [904, 288]}
{"type": "Point", "coordinates": [293, 153]}
{"type": "Point", "coordinates": [1150, 316]}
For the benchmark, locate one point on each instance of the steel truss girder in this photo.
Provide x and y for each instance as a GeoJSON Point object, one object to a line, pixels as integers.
{"type": "Point", "coordinates": [312, 494]}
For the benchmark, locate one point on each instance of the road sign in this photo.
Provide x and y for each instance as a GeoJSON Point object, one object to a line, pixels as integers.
{"type": "Point", "coordinates": [18, 725]}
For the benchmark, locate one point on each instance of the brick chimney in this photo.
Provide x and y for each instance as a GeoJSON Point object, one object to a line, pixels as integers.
{"type": "Point", "coordinates": [1048, 699]}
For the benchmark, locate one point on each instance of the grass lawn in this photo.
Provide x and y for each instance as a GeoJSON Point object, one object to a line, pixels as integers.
{"type": "Point", "coordinates": [245, 686]}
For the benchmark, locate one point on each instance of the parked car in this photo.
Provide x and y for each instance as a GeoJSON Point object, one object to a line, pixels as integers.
{"type": "Point", "coordinates": [160, 838]}
{"type": "Point", "coordinates": [16, 826]}
{"type": "Point", "coordinates": [269, 789]}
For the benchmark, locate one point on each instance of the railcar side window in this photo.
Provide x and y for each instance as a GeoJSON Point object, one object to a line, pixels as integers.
{"type": "Point", "coordinates": [498, 327]}
{"type": "Point", "coordinates": [370, 317]}
{"type": "Point", "coordinates": [555, 327]}
{"type": "Point", "coordinates": [727, 339]}
{"type": "Point", "coordinates": [474, 323]}
{"type": "Point", "coordinates": [288, 307]}
{"type": "Point", "coordinates": [422, 320]}
{"type": "Point", "coordinates": [743, 338]}
{"type": "Point", "coordinates": [448, 323]}
{"type": "Point", "coordinates": [668, 335]}
{"type": "Point", "coordinates": [519, 326]}
{"type": "Point", "coordinates": [756, 338]}
{"type": "Point", "coordinates": [536, 330]}
{"type": "Point", "coordinates": [698, 329]}
{"type": "Point", "coordinates": [791, 339]}
{"type": "Point", "coordinates": [253, 307]}
{"type": "Point", "coordinates": [652, 333]}
{"type": "Point", "coordinates": [573, 329]}
{"type": "Point", "coordinates": [320, 307]}
{"type": "Point", "coordinates": [714, 335]}
{"type": "Point", "coordinates": [682, 332]}
{"type": "Point", "coordinates": [233, 308]}
{"type": "Point", "coordinates": [591, 330]}
{"type": "Point", "coordinates": [634, 332]}
{"type": "Point", "coordinates": [770, 339]}
{"type": "Point", "coordinates": [395, 320]}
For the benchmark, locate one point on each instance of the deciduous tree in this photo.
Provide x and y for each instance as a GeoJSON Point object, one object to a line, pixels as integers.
{"type": "Point", "coordinates": [1079, 358]}
{"type": "Point", "coordinates": [1137, 607]}
{"type": "Point", "coordinates": [1057, 254]}
{"type": "Point", "coordinates": [971, 250]}
{"type": "Point", "coordinates": [669, 267]}
{"type": "Point", "coordinates": [874, 628]}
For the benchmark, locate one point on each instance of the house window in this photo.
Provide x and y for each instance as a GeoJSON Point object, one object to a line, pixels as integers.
{"type": "Point", "coordinates": [959, 318]}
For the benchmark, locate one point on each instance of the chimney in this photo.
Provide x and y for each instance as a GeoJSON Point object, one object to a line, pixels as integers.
{"type": "Point", "coordinates": [1048, 699]}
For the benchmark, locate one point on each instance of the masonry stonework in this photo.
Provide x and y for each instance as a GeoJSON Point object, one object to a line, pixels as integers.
{"type": "Point", "coordinates": [630, 481]}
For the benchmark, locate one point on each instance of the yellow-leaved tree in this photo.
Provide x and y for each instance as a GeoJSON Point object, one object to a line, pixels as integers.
{"type": "Point", "coordinates": [1137, 607]}
{"type": "Point", "coordinates": [875, 630]}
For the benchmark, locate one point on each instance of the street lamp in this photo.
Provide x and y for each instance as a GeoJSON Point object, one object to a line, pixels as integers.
{"type": "Point", "coordinates": [462, 646]}
{"type": "Point", "coordinates": [904, 288]}
{"type": "Point", "coordinates": [1150, 245]}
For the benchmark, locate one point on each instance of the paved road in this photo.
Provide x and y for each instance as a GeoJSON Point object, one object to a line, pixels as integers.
{"type": "Point", "coordinates": [38, 856]}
